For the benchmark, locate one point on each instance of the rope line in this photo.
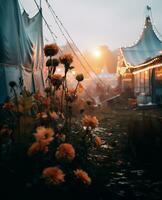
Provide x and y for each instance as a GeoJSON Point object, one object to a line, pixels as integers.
{"type": "Point", "coordinates": [54, 37]}
{"type": "Point", "coordinates": [60, 50]}
{"type": "Point", "coordinates": [58, 20]}
{"type": "Point", "coordinates": [71, 46]}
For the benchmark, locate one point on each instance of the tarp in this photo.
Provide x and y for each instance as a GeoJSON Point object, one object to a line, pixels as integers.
{"type": "Point", "coordinates": [21, 46]}
{"type": "Point", "coordinates": [33, 27]}
{"type": "Point", "coordinates": [149, 46]}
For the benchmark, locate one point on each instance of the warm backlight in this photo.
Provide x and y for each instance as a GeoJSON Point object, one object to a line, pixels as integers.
{"type": "Point", "coordinates": [97, 53]}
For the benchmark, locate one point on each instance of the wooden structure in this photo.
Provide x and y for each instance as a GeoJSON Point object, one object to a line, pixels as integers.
{"type": "Point", "coordinates": [140, 66]}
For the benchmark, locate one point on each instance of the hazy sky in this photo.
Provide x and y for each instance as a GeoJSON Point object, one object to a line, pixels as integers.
{"type": "Point", "coordinates": [114, 23]}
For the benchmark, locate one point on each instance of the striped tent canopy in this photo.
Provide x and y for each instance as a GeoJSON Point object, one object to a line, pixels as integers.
{"type": "Point", "coordinates": [148, 47]}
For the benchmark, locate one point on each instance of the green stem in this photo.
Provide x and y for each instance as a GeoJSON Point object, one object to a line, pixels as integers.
{"type": "Point", "coordinates": [17, 110]}
{"type": "Point", "coordinates": [54, 90]}
{"type": "Point", "coordinates": [62, 97]}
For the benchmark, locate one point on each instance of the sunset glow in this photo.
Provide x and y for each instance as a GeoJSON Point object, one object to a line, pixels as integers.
{"type": "Point", "coordinates": [97, 53]}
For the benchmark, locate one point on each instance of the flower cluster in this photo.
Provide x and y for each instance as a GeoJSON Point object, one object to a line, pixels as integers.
{"type": "Point", "coordinates": [53, 175]}
{"type": "Point", "coordinates": [41, 115]}
{"type": "Point", "coordinates": [82, 176]}
{"type": "Point", "coordinates": [43, 136]}
{"type": "Point", "coordinates": [65, 152]}
{"type": "Point", "coordinates": [51, 113]}
{"type": "Point", "coordinates": [56, 80]}
{"type": "Point", "coordinates": [36, 147]}
{"type": "Point", "coordinates": [90, 121]}
{"type": "Point", "coordinates": [66, 59]}
{"type": "Point", "coordinates": [51, 49]}
{"type": "Point", "coordinates": [71, 95]}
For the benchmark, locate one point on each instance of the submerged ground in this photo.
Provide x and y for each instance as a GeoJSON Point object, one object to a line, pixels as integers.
{"type": "Point", "coordinates": [131, 160]}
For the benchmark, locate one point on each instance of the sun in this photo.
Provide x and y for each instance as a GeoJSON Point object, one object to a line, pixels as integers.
{"type": "Point", "coordinates": [96, 53]}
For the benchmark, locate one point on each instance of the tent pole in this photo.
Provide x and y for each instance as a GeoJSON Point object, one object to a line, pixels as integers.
{"type": "Point", "coordinates": [40, 4]}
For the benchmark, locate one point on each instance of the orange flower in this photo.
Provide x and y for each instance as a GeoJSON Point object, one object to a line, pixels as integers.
{"type": "Point", "coordinates": [65, 152]}
{"type": "Point", "coordinates": [38, 96]}
{"type": "Point", "coordinates": [56, 80]}
{"type": "Point", "coordinates": [98, 141]}
{"type": "Point", "coordinates": [80, 88]}
{"type": "Point", "coordinates": [8, 106]}
{"type": "Point", "coordinates": [71, 91]}
{"type": "Point", "coordinates": [44, 134]}
{"type": "Point", "coordinates": [37, 147]}
{"type": "Point", "coordinates": [54, 115]}
{"type": "Point", "coordinates": [71, 96]}
{"type": "Point", "coordinates": [90, 121]}
{"type": "Point", "coordinates": [56, 76]}
{"type": "Point", "coordinates": [83, 176]}
{"type": "Point", "coordinates": [66, 59]}
{"type": "Point", "coordinates": [41, 115]}
{"type": "Point", "coordinates": [51, 49]}
{"type": "Point", "coordinates": [54, 175]}
{"type": "Point", "coordinates": [46, 101]}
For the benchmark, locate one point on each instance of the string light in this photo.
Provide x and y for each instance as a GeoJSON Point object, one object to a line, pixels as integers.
{"type": "Point", "coordinates": [147, 68]}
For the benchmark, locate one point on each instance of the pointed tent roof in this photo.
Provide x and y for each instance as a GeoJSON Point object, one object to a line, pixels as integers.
{"type": "Point", "coordinates": [148, 47]}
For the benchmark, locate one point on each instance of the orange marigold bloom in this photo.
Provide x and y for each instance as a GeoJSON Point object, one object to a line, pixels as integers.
{"type": "Point", "coordinates": [98, 141]}
{"type": "Point", "coordinates": [54, 115]}
{"type": "Point", "coordinates": [65, 152]}
{"type": "Point", "coordinates": [83, 176]}
{"type": "Point", "coordinates": [54, 175]}
{"type": "Point", "coordinates": [36, 147]}
{"type": "Point", "coordinates": [45, 134]}
{"type": "Point", "coordinates": [41, 115]}
{"type": "Point", "coordinates": [66, 59]}
{"type": "Point", "coordinates": [71, 91]}
{"type": "Point", "coordinates": [90, 121]}
{"type": "Point", "coordinates": [56, 76]}
{"type": "Point", "coordinates": [38, 96]}
{"type": "Point", "coordinates": [8, 106]}
{"type": "Point", "coordinates": [51, 49]}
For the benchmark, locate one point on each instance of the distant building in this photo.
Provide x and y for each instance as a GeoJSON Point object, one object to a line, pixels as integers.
{"type": "Point", "coordinates": [140, 66]}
